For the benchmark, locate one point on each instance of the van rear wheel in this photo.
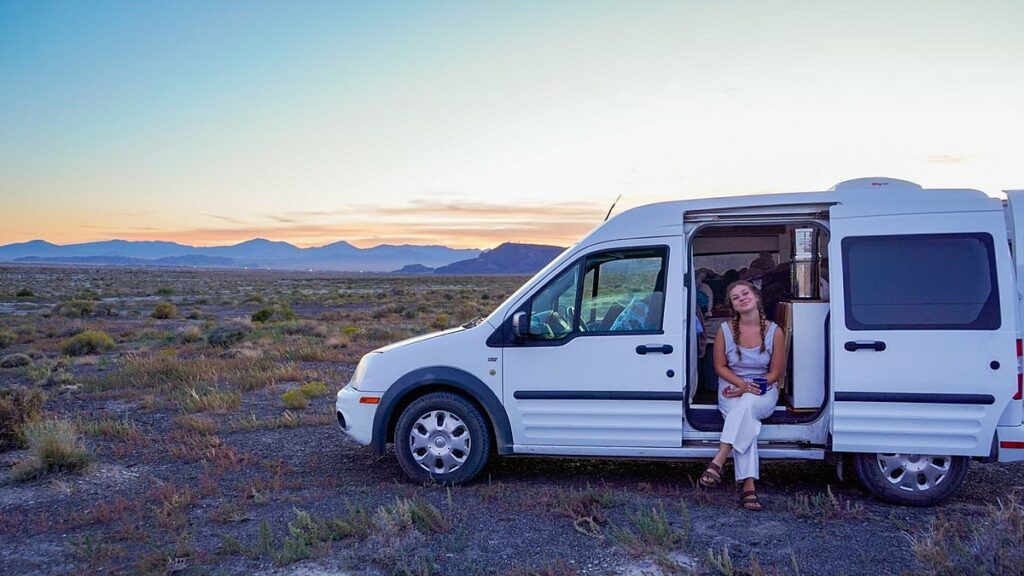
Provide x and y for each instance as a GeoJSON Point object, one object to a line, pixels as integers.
{"type": "Point", "coordinates": [911, 479]}
{"type": "Point", "coordinates": [442, 437]}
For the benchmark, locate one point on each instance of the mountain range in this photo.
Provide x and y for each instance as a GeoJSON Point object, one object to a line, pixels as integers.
{"type": "Point", "coordinates": [261, 253]}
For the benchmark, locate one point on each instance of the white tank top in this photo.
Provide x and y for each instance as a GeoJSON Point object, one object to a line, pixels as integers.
{"type": "Point", "coordinates": [752, 361]}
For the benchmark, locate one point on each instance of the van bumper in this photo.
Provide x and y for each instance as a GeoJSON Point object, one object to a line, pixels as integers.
{"type": "Point", "coordinates": [1011, 443]}
{"type": "Point", "coordinates": [355, 417]}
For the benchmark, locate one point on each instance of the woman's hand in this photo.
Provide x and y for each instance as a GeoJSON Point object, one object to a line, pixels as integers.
{"type": "Point", "coordinates": [732, 392]}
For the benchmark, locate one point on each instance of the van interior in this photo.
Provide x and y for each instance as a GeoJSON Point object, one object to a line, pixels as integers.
{"type": "Point", "coordinates": [787, 262]}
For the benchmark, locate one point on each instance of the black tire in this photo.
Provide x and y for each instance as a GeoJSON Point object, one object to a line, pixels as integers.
{"type": "Point", "coordinates": [944, 476]}
{"type": "Point", "coordinates": [458, 439]}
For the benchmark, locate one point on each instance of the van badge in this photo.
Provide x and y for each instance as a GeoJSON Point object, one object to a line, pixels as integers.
{"type": "Point", "coordinates": [494, 359]}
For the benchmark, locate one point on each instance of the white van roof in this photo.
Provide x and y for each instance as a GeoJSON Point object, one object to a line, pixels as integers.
{"type": "Point", "coordinates": [861, 196]}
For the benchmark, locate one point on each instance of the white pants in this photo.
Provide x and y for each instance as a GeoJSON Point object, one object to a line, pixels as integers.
{"type": "Point", "coordinates": [743, 417]}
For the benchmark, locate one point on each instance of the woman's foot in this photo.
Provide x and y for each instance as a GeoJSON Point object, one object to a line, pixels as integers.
{"type": "Point", "coordinates": [712, 476]}
{"type": "Point", "coordinates": [749, 501]}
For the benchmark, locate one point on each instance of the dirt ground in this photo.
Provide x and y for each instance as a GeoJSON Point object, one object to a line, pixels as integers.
{"type": "Point", "coordinates": [199, 467]}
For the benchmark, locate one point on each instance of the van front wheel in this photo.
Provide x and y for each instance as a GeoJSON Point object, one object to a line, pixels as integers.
{"type": "Point", "coordinates": [442, 437]}
{"type": "Point", "coordinates": [911, 479]}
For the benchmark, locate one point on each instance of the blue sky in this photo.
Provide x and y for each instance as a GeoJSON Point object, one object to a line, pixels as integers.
{"type": "Point", "coordinates": [473, 123]}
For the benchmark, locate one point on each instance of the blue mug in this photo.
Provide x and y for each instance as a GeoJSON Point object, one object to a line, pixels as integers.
{"type": "Point", "coordinates": [762, 385]}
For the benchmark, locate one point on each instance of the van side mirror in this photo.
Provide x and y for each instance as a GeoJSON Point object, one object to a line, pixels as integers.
{"type": "Point", "coordinates": [520, 326]}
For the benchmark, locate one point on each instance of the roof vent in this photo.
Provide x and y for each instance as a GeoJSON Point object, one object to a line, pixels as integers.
{"type": "Point", "coordinates": [874, 185]}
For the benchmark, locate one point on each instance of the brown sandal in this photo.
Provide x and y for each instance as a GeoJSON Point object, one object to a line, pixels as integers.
{"type": "Point", "coordinates": [712, 476]}
{"type": "Point", "coordinates": [749, 501]}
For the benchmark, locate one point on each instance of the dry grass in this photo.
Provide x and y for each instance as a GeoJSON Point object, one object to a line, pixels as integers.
{"type": "Point", "coordinates": [53, 447]}
{"type": "Point", "coordinates": [991, 545]}
{"type": "Point", "coordinates": [19, 406]}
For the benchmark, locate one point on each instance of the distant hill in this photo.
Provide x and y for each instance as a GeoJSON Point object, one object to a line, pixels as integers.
{"type": "Point", "coordinates": [507, 258]}
{"type": "Point", "coordinates": [255, 253]}
{"type": "Point", "coordinates": [414, 269]}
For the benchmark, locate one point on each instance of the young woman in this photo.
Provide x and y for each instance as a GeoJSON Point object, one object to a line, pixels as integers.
{"type": "Point", "coordinates": [743, 351]}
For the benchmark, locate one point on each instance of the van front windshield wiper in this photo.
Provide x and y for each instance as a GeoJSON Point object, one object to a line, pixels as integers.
{"type": "Point", "coordinates": [473, 323]}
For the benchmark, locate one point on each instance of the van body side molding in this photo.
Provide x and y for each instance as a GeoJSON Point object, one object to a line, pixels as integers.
{"type": "Point", "coordinates": [596, 395]}
{"type": "Point", "coordinates": [914, 398]}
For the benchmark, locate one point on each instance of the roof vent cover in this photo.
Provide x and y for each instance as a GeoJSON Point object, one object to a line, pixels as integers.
{"type": "Point", "coordinates": [874, 185]}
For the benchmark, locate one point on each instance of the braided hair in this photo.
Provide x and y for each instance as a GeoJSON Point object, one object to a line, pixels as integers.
{"type": "Point", "coordinates": [735, 320]}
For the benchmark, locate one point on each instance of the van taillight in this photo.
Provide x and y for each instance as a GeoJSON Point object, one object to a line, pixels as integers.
{"type": "Point", "coordinates": [1020, 370]}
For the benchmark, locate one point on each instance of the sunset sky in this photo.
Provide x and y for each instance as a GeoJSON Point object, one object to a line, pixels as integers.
{"type": "Point", "coordinates": [473, 123]}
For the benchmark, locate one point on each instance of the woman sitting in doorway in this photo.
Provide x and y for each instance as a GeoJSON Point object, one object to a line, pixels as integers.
{"type": "Point", "coordinates": [742, 353]}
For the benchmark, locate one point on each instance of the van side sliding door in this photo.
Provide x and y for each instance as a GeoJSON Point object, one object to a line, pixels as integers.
{"type": "Point", "coordinates": [922, 350]}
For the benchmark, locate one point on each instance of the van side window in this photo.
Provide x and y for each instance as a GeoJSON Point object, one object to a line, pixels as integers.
{"type": "Point", "coordinates": [552, 309]}
{"type": "Point", "coordinates": [623, 291]}
{"type": "Point", "coordinates": [921, 281]}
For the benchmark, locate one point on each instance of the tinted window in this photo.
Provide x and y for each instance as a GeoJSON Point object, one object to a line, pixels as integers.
{"type": "Point", "coordinates": [922, 281]}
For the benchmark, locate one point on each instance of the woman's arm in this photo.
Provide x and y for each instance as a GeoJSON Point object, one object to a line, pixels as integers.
{"type": "Point", "coordinates": [722, 364]}
{"type": "Point", "coordinates": [777, 366]}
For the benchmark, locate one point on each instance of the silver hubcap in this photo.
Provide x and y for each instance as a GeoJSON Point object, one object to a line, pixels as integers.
{"type": "Point", "coordinates": [439, 442]}
{"type": "Point", "coordinates": [913, 472]}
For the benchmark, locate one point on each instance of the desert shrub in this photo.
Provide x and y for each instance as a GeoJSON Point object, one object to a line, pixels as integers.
{"type": "Point", "coordinates": [440, 322]}
{"type": "Point", "coordinates": [76, 308]}
{"type": "Point", "coordinates": [18, 407]}
{"type": "Point", "coordinates": [54, 447]}
{"type": "Point", "coordinates": [305, 328]}
{"type": "Point", "coordinates": [15, 361]}
{"type": "Point", "coordinates": [228, 334]}
{"type": "Point", "coordinates": [990, 546]}
{"type": "Point", "coordinates": [7, 338]}
{"type": "Point", "coordinates": [282, 312]}
{"type": "Point", "coordinates": [25, 293]}
{"type": "Point", "coordinates": [313, 389]}
{"type": "Point", "coordinates": [165, 311]}
{"type": "Point", "coordinates": [190, 334]}
{"type": "Point", "coordinates": [295, 399]}
{"type": "Point", "coordinates": [88, 342]}
{"type": "Point", "coordinates": [165, 291]}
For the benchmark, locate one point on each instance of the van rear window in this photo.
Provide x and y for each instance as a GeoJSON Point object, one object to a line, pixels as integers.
{"type": "Point", "coordinates": [920, 281]}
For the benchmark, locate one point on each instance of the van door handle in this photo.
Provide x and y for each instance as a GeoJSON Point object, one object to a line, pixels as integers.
{"type": "Point", "coordinates": [853, 346]}
{"type": "Point", "coordinates": [663, 348]}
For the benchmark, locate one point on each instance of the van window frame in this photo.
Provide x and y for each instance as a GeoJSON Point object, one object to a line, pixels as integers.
{"type": "Point", "coordinates": [986, 316]}
{"type": "Point", "coordinates": [580, 263]}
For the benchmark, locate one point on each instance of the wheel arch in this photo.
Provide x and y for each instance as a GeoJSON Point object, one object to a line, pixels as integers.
{"type": "Point", "coordinates": [424, 381]}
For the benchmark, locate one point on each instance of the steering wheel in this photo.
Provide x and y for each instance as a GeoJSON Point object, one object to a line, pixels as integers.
{"type": "Point", "coordinates": [558, 323]}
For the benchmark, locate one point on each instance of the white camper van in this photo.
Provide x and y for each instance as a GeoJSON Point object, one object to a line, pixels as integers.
{"type": "Point", "coordinates": [900, 307]}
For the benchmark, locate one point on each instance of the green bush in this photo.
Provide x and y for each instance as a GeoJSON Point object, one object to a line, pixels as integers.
{"type": "Point", "coordinates": [313, 389]}
{"type": "Point", "coordinates": [25, 293]}
{"type": "Point", "coordinates": [228, 334]}
{"type": "Point", "coordinates": [282, 312]}
{"type": "Point", "coordinates": [295, 399]}
{"type": "Point", "coordinates": [7, 338]}
{"type": "Point", "coordinates": [15, 361]}
{"type": "Point", "coordinates": [88, 342]}
{"type": "Point", "coordinates": [165, 311]}
{"type": "Point", "coordinates": [54, 447]}
{"type": "Point", "coordinates": [263, 315]}
{"type": "Point", "coordinates": [165, 291]}
{"type": "Point", "coordinates": [76, 308]}
{"type": "Point", "coordinates": [18, 407]}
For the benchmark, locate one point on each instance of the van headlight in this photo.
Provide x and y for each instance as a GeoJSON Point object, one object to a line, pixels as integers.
{"type": "Point", "coordinates": [361, 368]}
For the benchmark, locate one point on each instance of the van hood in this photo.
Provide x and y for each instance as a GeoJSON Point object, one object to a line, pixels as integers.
{"type": "Point", "coordinates": [416, 339]}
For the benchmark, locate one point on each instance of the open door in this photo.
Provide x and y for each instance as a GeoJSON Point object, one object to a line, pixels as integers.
{"type": "Point", "coordinates": [923, 338]}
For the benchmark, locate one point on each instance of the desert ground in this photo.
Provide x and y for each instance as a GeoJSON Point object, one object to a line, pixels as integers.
{"type": "Point", "coordinates": [157, 421]}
